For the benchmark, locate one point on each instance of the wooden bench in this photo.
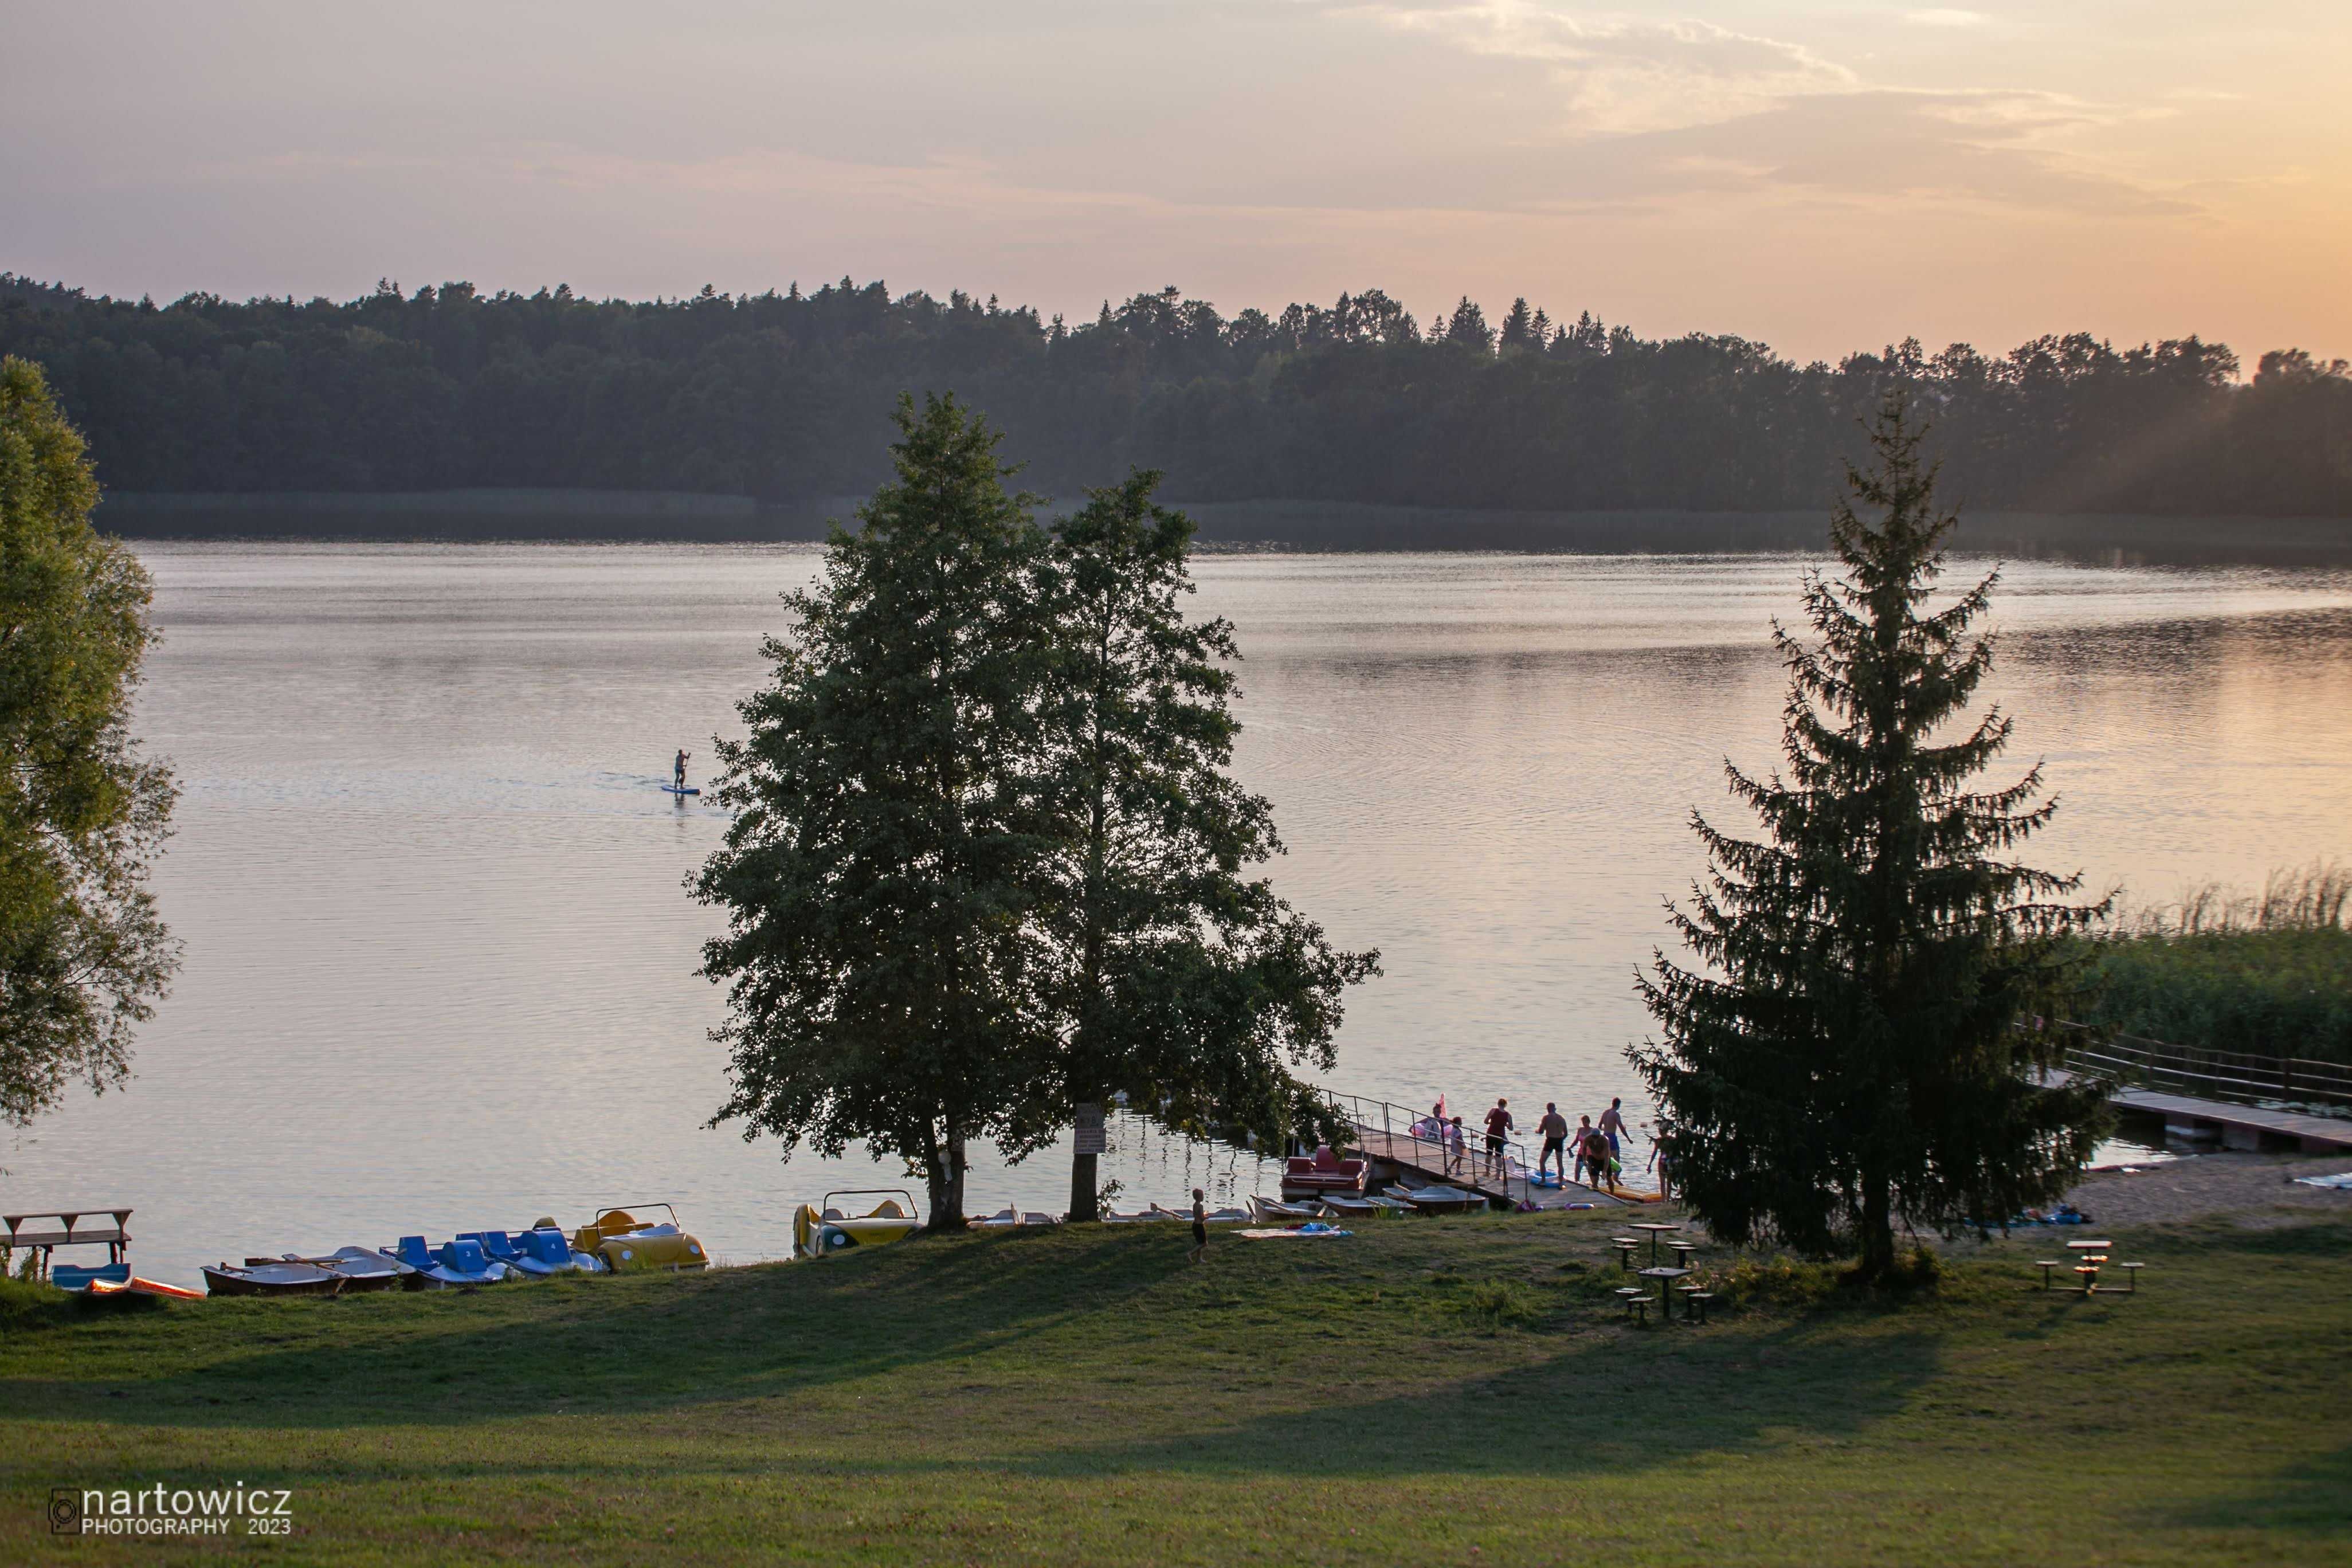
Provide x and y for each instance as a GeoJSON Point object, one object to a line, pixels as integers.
{"type": "Point", "coordinates": [1695, 1300]}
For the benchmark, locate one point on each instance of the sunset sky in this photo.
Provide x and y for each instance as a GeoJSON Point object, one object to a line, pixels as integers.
{"type": "Point", "coordinates": [1822, 177]}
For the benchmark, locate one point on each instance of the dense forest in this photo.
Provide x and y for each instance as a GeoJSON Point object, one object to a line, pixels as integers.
{"type": "Point", "coordinates": [786, 397]}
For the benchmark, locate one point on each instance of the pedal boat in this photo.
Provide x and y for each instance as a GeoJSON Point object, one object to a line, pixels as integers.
{"type": "Point", "coordinates": [821, 1232]}
{"type": "Point", "coordinates": [625, 1244]}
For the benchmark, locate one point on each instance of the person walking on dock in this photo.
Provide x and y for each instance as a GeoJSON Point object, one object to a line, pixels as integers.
{"type": "Point", "coordinates": [1583, 1139]}
{"type": "Point", "coordinates": [1453, 1147]}
{"type": "Point", "coordinates": [1554, 1127]}
{"type": "Point", "coordinates": [1199, 1226]}
{"type": "Point", "coordinates": [1499, 1127]}
{"type": "Point", "coordinates": [1612, 1123]}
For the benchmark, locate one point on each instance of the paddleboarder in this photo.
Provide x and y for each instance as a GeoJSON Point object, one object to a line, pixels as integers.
{"type": "Point", "coordinates": [680, 771]}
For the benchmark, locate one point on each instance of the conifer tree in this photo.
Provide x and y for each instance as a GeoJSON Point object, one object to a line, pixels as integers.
{"type": "Point", "coordinates": [1518, 329]}
{"type": "Point", "coordinates": [1857, 1048]}
{"type": "Point", "coordinates": [1184, 981]}
{"type": "Point", "coordinates": [881, 876]}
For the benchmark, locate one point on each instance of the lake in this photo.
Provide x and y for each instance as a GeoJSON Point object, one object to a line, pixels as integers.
{"type": "Point", "coordinates": [439, 966]}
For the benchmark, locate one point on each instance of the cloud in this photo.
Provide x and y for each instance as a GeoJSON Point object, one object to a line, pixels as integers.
{"type": "Point", "coordinates": [1622, 75]}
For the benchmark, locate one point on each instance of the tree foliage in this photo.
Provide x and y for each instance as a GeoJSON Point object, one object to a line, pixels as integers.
{"type": "Point", "coordinates": [788, 397]}
{"type": "Point", "coordinates": [880, 877]}
{"type": "Point", "coordinates": [1856, 1049]}
{"type": "Point", "coordinates": [1185, 984]}
{"type": "Point", "coordinates": [83, 955]}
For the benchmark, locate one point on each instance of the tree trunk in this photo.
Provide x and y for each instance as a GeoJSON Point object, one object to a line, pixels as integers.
{"type": "Point", "coordinates": [944, 1168]}
{"type": "Point", "coordinates": [1877, 1228]}
{"type": "Point", "coordinates": [1085, 1168]}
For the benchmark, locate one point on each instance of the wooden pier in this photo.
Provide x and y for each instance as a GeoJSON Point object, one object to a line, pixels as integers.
{"type": "Point", "coordinates": [1507, 1184]}
{"type": "Point", "coordinates": [2248, 1126]}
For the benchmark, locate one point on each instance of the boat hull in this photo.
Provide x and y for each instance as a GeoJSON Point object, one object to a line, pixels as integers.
{"type": "Point", "coordinates": [273, 1279]}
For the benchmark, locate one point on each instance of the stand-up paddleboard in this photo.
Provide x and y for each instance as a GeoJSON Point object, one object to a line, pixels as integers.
{"type": "Point", "coordinates": [675, 789]}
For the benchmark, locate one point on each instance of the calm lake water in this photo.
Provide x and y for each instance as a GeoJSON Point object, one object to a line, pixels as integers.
{"type": "Point", "coordinates": [439, 968]}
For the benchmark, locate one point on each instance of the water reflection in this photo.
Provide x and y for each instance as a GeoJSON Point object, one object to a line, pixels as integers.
{"type": "Point", "coordinates": [440, 968]}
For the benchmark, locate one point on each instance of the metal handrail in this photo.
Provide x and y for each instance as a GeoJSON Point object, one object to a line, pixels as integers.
{"type": "Point", "coordinates": [2218, 1075]}
{"type": "Point", "coordinates": [1470, 1163]}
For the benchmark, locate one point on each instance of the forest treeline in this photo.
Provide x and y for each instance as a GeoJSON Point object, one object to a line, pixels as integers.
{"type": "Point", "coordinates": [788, 397]}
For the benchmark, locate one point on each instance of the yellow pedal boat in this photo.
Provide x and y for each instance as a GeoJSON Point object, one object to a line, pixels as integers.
{"type": "Point", "coordinates": [626, 1242]}
{"type": "Point", "coordinates": [821, 1232]}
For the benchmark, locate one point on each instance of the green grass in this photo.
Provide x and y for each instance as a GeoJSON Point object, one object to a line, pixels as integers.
{"type": "Point", "coordinates": [1426, 1392]}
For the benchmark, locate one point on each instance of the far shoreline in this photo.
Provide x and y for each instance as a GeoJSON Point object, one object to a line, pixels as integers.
{"type": "Point", "coordinates": [526, 516]}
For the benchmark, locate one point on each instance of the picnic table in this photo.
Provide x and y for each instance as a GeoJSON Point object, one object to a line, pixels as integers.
{"type": "Point", "coordinates": [1656, 1229]}
{"type": "Point", "coordinates": [2093, 1254]}
{"type": "Point", "coordinates": [1666, 1277]}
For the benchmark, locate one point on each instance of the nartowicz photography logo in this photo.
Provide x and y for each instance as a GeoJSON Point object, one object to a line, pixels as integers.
{"type": "Point", "coordinates": [165, 1510]}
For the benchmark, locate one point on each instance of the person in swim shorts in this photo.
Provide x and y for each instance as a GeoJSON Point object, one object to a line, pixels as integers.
{"type": "Point", "coordinates": [1199, 1226]}
{"type": "Point", "coordinates": [1612, 1123]}
{"type": "Point", "coordinates": [678, 771]}
{"type": "Point", "coordinates": [1554, 1128]}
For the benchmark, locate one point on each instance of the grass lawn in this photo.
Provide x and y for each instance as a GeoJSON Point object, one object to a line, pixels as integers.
{"type": "Point", "coordinates": [1426, 1392]}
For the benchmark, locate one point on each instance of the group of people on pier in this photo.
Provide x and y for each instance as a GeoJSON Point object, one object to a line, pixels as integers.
{"type": "Point", "coordinates": [1592, 1152]}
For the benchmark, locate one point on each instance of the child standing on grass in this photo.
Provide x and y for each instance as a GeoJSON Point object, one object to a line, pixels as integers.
{"type": "Point", "coordinates": [1199, 1226]}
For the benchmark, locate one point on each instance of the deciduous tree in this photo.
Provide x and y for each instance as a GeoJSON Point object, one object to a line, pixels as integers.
{"type": "Point", "coordinates": [84, 956]}
{"type": "Point", "coordinates": [1184, 981]}
{"type": "Point", "coordinates": [883, 959]}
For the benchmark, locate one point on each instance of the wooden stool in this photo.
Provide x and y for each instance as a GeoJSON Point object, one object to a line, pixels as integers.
{"type": "Point", "coordinates": [1635, 1299]}
{"type": "Point", "coordinates": [2046, 1265]}
{"type": "Point", "coordinates": [1626, 1247]}
{"type": "Point", "coordinates": [2131, 1277]}
{"type": "Point", "coordinates": [1695, 1298]}
{"type": "Point", "coordinates": [2090, 1276]}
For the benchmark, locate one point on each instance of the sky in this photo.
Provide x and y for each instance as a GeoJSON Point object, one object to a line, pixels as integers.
{"type": "Point", "coordinates": [1820, 177]}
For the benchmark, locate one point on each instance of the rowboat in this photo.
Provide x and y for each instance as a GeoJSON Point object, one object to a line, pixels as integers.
{"type": "Point", "coordinates": [361, 1269]}
{"type": "Point", "coordinates": [1273, 1210]}
{"type": "Point", "coordinates": [1009, 1216]}
{"type": "Point", "coordinates": [1442, 1199]}
{"type": "Point", "coordinates": [1389, 1206]}
{"type": "Point", "coordinates": [1338, 1206]}
{"type": "Point", "coordinates": [1143, 1216]}
{"type": "Point", "coordinates": [279, 1278]}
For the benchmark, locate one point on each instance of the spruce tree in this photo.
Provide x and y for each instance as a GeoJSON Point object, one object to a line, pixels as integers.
{"type": "Point", "coordinates": [1858, 1045]}
{"type": "Point", "coordinates": [1183, 983]}
{"type": "Point", "coordinates": [881, 876]}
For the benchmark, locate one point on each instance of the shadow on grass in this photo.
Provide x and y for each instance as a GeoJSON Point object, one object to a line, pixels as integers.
{"type": "Point", "coordinates": [2311, 1498]}
{"type": "Point", "coordinates": [585, 1345]}
{"type": "Point", "coordinates": [1592, 1408]}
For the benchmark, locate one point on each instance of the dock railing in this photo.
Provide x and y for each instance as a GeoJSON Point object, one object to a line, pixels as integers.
{"type": "Point", "coordinates": [1389, 1131]}
{"type": "Point", "coordinates": [2322, 1087]}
